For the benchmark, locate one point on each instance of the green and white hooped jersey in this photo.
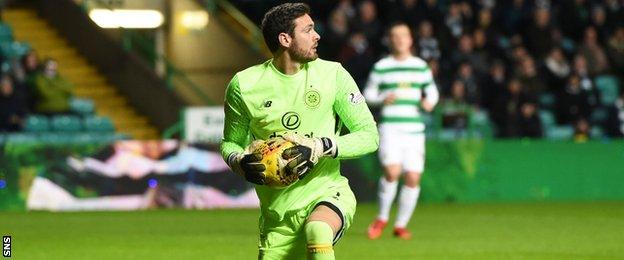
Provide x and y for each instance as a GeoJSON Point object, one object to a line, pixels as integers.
{"type": "Point", "coordinates": [407, 80]}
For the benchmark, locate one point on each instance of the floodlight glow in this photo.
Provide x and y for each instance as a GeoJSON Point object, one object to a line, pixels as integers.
{"type": "Point", "coordinates": [194, 20]}
{"type": "Point", "coordinates": [126, 18]}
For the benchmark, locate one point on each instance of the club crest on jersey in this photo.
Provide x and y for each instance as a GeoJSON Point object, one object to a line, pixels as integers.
{"type": "Point", "coordinates": [312, 98]}
{"type": "Point", "coordinates": [355, 98]}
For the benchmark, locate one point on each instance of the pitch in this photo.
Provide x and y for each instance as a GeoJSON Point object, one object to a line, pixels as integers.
{"type": "Point", "coordinates": [441, 231]}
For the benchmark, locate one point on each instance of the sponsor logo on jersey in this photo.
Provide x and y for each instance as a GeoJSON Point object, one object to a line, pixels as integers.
{"type": "Point", "coordinates": [291, 120]}
{"type": "Point", "coordinates": [275, 134]}
{"type": "Point", "coordinates": [355, 98]}
{"type": "Point", "coordinates": [312, 98]}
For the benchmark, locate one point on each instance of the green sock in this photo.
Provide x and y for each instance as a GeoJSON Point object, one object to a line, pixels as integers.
{"type": "Point", "coordinates": [319, 237]}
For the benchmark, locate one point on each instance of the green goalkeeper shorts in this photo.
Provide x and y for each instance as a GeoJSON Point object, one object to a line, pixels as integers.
{"type": "Point", "coordinates": [286, 240]}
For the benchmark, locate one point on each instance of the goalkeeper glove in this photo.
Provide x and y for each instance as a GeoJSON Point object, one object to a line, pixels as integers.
{"type": "Point", "coordinates": [248, 166]}
{"type": "Point", "coordinates": [307, 152]}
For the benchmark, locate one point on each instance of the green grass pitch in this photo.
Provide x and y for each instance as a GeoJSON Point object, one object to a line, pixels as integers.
{"type": "Point", "coordinates": [441, 231]}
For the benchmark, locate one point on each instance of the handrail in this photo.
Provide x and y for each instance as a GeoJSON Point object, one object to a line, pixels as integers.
{"type": "Point", "coordinates": [172, 72]}
{"type": "Point", "coordinates": [251, 33]}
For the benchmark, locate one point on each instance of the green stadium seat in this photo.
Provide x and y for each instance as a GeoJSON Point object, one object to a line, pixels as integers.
{"type": "Point", "coordinates": [547, 118]}
{"type": "Point", "coordinates": [98, 124]}
{"type": "Point", "coordinates": [36, 123]}
{"type": "Point", "coordinates": [14, 49]}
{"type": "Point", "coordinates": [21, 138]}
{"type": "Point", "coordinates": [599, 116]}
{"type": "Point", "coordinates": [66, 123]}
{"type": "Point", "coordinates": [560, 133]}
{"type": "Point", "coordinates": [6, 33]}
{"type": "Point", "coordinates": [82, 106]}
{"type": "Point", "coordinates": [597, 132]}
{"type": "Point", "coordinates": [547, 101]}
{"type": "Point", "coordinates": [608, 87]}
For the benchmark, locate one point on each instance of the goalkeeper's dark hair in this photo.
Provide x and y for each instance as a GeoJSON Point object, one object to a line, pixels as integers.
{"type": "Point", "coordinates": [281, 19]}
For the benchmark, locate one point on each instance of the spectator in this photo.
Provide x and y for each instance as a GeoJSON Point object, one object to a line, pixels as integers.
{"type": "Point", "coordinates": [615, 121]}
{"type": "Point", "coordinates": [466, 75]}
{"type": "Point", "coordinates": [574, 16]}
{"type": "Point", "coordinates": [408, 11]}
{"type": "Point", "coordinates": [538, 35]}
{"type": "Point", "coordinates": [13, 106]}
{"type": "Point", "coordinates": [481, 57]}
{"type": "Point", "coordinates": [582, 130]}
{"type": "Point", "coordinates": [616, 52]}
{"type": "Point", "coordinates": [506, 115]}
{"type": "Point", "coordinates": [557, 69]}
{"type": "Point", "coordinates": [368, 24]}
{"type": "Point", "coordinates": [530, 79]}
{"type": "Point", "coordinates": [573, 102]}
{"type": "Point", "coordinates": [512, 15]}
{"type": "Point", "coordinates": [336, 34]}
{"type": "Point", "coordinates": [587, 82]}
{"type": "Point", "coordinates": [529, 122]}
{"type": "Point", "coordinates": [494, 84]}
{"type": "Point", "coordinates": [455, 112]}
{"type": "Point", "coordinates": [52, 91]}
{"type": "Point", "coordinates": [428, 47]}
{"type": "Point", "coordinates": [594, 54]}
{"type": "Point", "coordinates": [599, 21]}
{"type": "Point", "coordinates": [454, 20]}
{"type": "Point", "coordinates": [358, 58]}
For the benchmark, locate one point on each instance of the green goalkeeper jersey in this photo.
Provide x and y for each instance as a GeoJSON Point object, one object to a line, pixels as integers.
{"type": "Point", "coordinates": [261, 102]}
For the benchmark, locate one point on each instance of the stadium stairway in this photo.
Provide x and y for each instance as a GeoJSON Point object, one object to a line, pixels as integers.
{"type": "Point", "coordinates": [88, 82]}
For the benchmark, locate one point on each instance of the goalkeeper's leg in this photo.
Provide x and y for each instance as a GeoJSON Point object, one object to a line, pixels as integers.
{"type": "Point", "coordinates": [321, 228]}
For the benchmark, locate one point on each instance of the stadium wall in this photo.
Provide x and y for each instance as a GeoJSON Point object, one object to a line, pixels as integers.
{"type": "Point", "coordinates": [194, 176]}
{"type": "Point", "coordinates": [500, 171]}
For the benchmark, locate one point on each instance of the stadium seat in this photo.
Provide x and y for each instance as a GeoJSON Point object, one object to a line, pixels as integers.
{"type": "Point", "coordinates": [82, 106]}
{"type": "Point", "coordinates": [609, 89]}
{"type": "Point", "coordinates": [14, 49]}
{"type": "Point", "coordinates": [599, 116]}
{"type": "Point", "coordinates": [560, 133]}
{"type": "Point", "coordinates": [6, 33]}
{"type": "Point", "coordinates": [66, 123]}
{"type": "Point", "coordinates": [547, 118]}
{"type": "Point", "coordinates": [547, 101]}
{"type": "Point", "coordinates": [98, 124]}
{"type": "Point", "coordinates": [597, 132]}
{"type": "Point", "coordinates": [36, 123]}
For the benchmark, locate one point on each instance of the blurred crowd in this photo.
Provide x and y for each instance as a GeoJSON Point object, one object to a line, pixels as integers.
{"type": "Point", "coordinates": [30, 86]}
{"type": "Point", "coordinates": [529, 66]}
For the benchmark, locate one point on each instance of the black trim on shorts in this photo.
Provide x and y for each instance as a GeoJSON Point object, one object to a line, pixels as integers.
{"type": "Point", "coordinates": [342, 219]}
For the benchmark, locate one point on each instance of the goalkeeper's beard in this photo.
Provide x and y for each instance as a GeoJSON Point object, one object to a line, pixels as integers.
{"type": "Point", "coordinates": [302, 56]}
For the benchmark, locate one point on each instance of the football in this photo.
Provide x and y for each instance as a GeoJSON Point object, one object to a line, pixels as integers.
{"type": "Point", "coordinates": [271, 151]}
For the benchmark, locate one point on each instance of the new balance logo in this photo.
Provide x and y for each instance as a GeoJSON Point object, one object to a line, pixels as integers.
{"type": "Point", "coordinates": [268, 103]}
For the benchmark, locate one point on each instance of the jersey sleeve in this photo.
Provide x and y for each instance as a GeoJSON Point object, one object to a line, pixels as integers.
{"type": "Point", "coordinates": [373, 96]}
{"type": "Point", "coordinates": [431, 90]}
{"type": "Point", "coordinates": [354, 113]}
{"type": "Point", "coordinates": [236, 123]}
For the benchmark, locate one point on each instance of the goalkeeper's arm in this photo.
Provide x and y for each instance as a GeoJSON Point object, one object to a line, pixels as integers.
{"type": "Point", "coordinates": [354, 113]}
{"type": "Point", "coordinates": [235, 137]}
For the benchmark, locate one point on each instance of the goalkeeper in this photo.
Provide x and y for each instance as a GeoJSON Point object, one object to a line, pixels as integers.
{"type": "Point", "coordinates": [305, 100]}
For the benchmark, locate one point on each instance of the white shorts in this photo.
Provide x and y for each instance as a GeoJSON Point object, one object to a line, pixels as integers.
{"type": "Point", "coordinates": [405, 149]}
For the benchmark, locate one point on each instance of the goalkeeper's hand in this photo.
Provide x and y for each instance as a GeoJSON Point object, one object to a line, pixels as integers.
{"type": "Point", "coordinates": [248, 166]}
{"type": "Point", "coordinates": [307, 152]}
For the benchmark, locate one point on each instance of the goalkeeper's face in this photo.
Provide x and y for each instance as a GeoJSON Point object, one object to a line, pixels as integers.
{"type": "Point", "coordinates": [304, 40]}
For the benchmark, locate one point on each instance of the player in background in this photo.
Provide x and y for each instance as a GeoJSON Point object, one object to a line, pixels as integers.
{"type": "Point", "coordinates": [305, 100]}
{"type": "Point", "coordinates": [403, 85]}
